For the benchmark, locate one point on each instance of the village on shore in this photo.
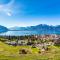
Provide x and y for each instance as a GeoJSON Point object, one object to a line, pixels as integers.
{"type": "Point", "coordinates": [35, 41]}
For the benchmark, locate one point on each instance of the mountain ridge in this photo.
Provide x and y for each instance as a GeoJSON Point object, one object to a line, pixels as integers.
{"type": "Point", "coordinates": [40, 27]}
{"type": "Point", "coordinates": [3, 29]}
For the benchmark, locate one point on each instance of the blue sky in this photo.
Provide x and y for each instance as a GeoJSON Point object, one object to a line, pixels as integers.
{"type": "Point", "coordinates": [29, 12]}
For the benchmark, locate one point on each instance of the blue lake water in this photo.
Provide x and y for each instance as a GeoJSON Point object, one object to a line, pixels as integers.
{"type": "Point", "coordinates": [22, 33]}
{"type": "Point", "coordinates": [19, 33]}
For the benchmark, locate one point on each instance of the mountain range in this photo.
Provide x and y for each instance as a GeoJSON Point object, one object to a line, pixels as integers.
{"type": "Point", "coordinates": [42, 28]}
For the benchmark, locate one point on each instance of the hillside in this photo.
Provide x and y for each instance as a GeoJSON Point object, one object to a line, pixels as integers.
{"type": "Point", "coordinates": [12, 53]}
{"type": "Point", "coordinates": [3, 29]}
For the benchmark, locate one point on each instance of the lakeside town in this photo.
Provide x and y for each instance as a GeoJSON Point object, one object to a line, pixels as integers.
{"type": "Point", "coordinates": [35, 41]}
{"type": "Point", "coordinates": [27, 40]}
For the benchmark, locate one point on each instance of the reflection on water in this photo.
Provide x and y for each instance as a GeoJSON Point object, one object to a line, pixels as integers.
{"type": "Point", "coordinates": [22, 33]}
{"type": "Point", "coordinates": [19, 33]}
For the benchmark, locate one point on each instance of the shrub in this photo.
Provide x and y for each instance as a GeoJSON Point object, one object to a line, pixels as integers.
{"type": "Point", "coordinates": [24, 51]}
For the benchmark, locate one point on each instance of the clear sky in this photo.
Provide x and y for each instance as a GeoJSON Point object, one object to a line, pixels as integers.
{"type": "Point", "coordinates": [29, 12]}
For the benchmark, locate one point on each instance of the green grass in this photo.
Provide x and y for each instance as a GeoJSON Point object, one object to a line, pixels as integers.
{"type": "Point", "coordinates": [12, 53]}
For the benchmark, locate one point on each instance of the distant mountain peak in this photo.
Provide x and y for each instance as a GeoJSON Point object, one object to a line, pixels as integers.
{"type": "Point", "coordinates": [40, 27]}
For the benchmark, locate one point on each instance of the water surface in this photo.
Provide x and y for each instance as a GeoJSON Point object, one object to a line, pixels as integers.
{"type": "Point", "coordinates": [22, 33]}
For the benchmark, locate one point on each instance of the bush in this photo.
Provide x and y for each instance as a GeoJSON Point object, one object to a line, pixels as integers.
{"type": "Point", "coordinates": [24, 51]}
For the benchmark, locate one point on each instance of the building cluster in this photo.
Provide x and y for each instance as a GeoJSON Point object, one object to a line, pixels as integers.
{"type": "Point", "coordinates": [28, 40]}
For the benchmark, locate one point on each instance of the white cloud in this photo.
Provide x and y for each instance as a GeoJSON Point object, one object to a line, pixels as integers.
{"type": "Point", "coordinates": [9, 14]}
{"type": "Point", "coordinates": [7, 8]}
{"type": "Point", "coordinates": [1, 6]}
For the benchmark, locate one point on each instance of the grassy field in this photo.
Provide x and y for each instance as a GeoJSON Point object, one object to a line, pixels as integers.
{"type": "Point", "coordinates": [12, 53]}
